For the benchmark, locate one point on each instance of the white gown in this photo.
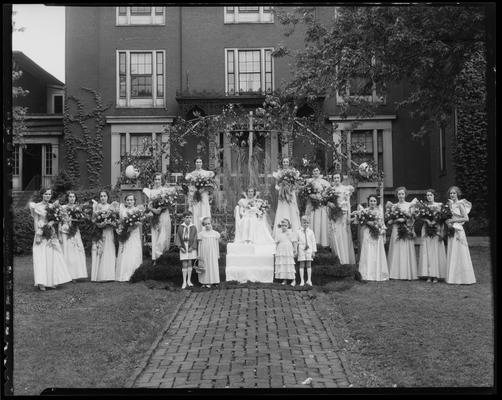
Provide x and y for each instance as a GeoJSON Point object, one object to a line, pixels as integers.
{"type": "Point", "coordinates": [373, 261]}
{"type": "Point", "coordinates": [103, 253]}
{"type": "Point", "coordinates": [201, 208]}
{"type": "Point", "coordinates": [319, 220]}
{"type": "Point", "coordinates": [130, 253]}
{"type": "Point", "coordinates": [161, 234]}
{"type": "Point", "coordinates": [432, 256]}
{"type": "Point", "coordinates": [249, 227]}
{"type": "Point", "coordinates": [459, 267]}
{"type": "Point", "coordinates": [74, 253]}
{"type": "Point", "coordinates": [340, 231]}
{"type": "Point", "coordinates": [49, 266]}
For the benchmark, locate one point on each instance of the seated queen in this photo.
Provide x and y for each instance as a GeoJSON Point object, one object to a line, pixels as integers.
{"type": "Point", "coordinates": [251, 222]}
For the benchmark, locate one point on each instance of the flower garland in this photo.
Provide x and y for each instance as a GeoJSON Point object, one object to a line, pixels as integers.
{"type": "Point", "coordinates": [259, 206]}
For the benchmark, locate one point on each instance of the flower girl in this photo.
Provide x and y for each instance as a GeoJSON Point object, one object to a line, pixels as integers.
{"type": "Point", "coordinates": [186, 240]}
{"type": "Point", "coordinates": [307, 248]}
{"type": "Point", "coordinates": [130, 253]}
{"type": "Point", "coordinates": [209, 253]}
{"type": "Point", "coordinates": [49, 266]}
{"type": "Point", "coordinates": [285, 253]}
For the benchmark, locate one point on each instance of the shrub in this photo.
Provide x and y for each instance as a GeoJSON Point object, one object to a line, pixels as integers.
{"type": "Point", "coordinates": [477, 226]}
{"type": "Point", "coordinates": [23, 231]}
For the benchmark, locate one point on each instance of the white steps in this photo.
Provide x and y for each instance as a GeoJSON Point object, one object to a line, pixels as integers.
{"type": "Point", "coordinates": [250, 262]}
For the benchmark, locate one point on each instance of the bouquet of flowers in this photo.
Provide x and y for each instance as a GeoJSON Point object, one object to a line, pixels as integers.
{"type": "Point", "coordinates": [330, 198]}
{"type": "Point", "coordinates": [404, 229]}
{"type": "Point", "coordinates": [311, 191]}
{"type": "Point", "coordinates": [288, 180]}
{"type": "Point", "coordinates": [443, 215]}
{"type": "Point", "coordinates": [425, 212]}
{"type": "Point", "coordinates": [260, 206]}
{"type": "Point", "coordinates": [134, 217]}
{"type": "Point", "coordinates": [369, 218]}
{"type": "Point", "coordinates": [103, 219]}
{"type": "Point", "coordinates": [198, 181]}
{"type": "Point", "coordinates": [165, 200]}
{"type": "Point", "coordinates": [74, 216]}
{"type": "Point", "coordinates": [55, 215]}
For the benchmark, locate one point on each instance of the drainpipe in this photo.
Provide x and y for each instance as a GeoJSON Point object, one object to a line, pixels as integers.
{"type": "Point", "coordinates": [181, 47]}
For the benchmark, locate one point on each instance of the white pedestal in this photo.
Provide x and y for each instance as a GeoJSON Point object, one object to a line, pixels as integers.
{"type": "Point", "coordinates": [250, 262]}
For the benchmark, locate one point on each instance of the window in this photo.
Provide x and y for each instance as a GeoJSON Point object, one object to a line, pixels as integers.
{"type": "Point", "coordinates": [361, 87]}
{"type": "Point", "coordinates": [367, 145]}
{"type": "Point", "coordinates": [442, 150]}
{"type": "Point", "coordinates": [15, 164]}
{"type": "Point", "coordinates": [250, 14]}
{"type": "Point", "coordinates": [139, 143]}
{"type": "Point", "coordinates": [249, 71]}
{"type": "Point", "coordinates": [141, 16]}
{"type": "Point", "coordinates": [58, 104]}
{"type": "Point", "coordinates": [48, 159]}
{"type": "Point", "coordinates": [140, 79]}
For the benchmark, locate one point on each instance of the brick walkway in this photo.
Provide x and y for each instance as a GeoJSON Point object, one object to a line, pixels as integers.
{"type": "Point", "coordinates": [243, 338]}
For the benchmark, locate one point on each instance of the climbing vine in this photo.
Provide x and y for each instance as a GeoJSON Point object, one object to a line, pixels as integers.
{"type": "Point", "coordinates": [82, 138]}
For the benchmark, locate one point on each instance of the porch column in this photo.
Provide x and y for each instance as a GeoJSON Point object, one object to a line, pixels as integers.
{"type": "Point", "coordinates": [55, 159]}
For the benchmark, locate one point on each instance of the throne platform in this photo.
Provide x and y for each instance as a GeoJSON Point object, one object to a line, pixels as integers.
{"type": "Point", "coordinates": [250, 262]}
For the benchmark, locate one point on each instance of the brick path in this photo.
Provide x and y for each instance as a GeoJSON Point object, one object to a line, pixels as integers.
{"type": "Point", "coordinates": [243, 338]}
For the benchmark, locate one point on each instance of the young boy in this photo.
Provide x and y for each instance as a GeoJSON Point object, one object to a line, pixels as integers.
{"type": "Point", "coordinates": [307, 247]}
{"type": "Point", "coordinates": [186, 240]}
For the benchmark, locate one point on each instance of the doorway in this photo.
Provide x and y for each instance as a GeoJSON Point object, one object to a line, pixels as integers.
{"type": "Point", "coordinates": [32, 167]}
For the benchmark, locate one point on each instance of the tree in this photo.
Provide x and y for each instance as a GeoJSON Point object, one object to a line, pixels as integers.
{"type": "Point", "coordinates": [426, 46]}
{"type": "Point", "coordinates": [18, 112]}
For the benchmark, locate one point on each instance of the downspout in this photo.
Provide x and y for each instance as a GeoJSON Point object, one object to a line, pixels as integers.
{"type": "Point", "coordinates": [180, 47]}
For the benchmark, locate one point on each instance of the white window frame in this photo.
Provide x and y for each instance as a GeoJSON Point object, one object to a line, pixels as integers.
{"type": "Point", "coordinates": [381, 122]}
{"type": "Point", "coordinates": [236, 17]}
{"type": "Point", "coordinates": [236, 69]}
{"type": "Point", "coordinates": [128, 102]}
{"type": "Point", "coordinates": [132, 20]}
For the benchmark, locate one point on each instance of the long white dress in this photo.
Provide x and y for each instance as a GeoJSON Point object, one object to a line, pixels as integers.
{"type": "Point", "coordinates": [161, 234]}
{"type": "Point", "coordinates": [209, 252]}
{"type": "Point", "coordinates": [373, 261]}
{"type": "Point", "coordinates": [103, 252]}
{"type": "Point", "coordinates": [402, 259]}
{"type": "Point", "coordinates": [284, 255]}
{"type": "Point", "coordinates": [319, 219]}
{"type": "Point", "coordinates": [288, 210]}
{"type": "Point", "coordinates": [249, 227]}
{"type": "Point", "coordinates": [200, 208]}
{"type": "Point", "coordinates": [459, 269]}
{"type": "Point", "coordinates": [49, 266]}
{"type": "Point", "coordinates": [130, 253]}
{"type": "Point", "coordinates": [73, 250]}
{"type": "Point", "coordinates": [340, 231]}
{"type": "Point", "coordinates": [432, 256]}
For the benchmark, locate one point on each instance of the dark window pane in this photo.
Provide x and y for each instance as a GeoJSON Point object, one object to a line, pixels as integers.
{"type": "Point", "coordinates": [141, 10]}
{"type": "Point", "coordinates": [58, 104]}
{"type": "Point", "coordinates": [122, 63]}
{"type": "Point", "coordinates": [159, 10]}
{"type": "Point", "coordinates": [249, 9]}
{"type": "Point", "coordinates": [141, 86]}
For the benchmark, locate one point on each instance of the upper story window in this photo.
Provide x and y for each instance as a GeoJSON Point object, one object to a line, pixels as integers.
{"type": "Point", "coordinates": [254, 14]}
{"type": "Point", "coordinates": [362, 87]}
{"type": "Point", "coordinates": [249, 71]}
{"type": "Point", "coordinates": [141, 16]}
{"type": "Point", "coordinates": [140, 78]}
{"type": "Point", "coordinates": [58, 104]}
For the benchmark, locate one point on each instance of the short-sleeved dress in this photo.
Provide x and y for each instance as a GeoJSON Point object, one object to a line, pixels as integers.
{"type": "Point", "coordinates": [432, 256]}
{"type": "Point", "coordinates": [103, 253]}
{"type": "Point", "coordinates": [161, 234]}
{"type": "Point", "coordinates": [373, 261]}
{"type": "Point", "coordinates": [284, 255]}
{"type": "Point", "coordinates": [319, 219]}
{"type": "Point", "coordinates": [130, 252]}
{"type": "Point", "coordinates": [49, 266]}
{"type": "Point", "coordinates": [209, 253]}
{"type": "Point", "coordinates": [73, 250]}
{"type": "Point", "coordinates": [459, 269]}
{"type": "Point", "coordinates": [340, 230]}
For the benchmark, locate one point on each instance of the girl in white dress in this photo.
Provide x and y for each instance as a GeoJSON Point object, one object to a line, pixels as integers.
{"type": "Point", "coordinates": [73, 248]}
{"type": "Point", "coordinates": [306, 249]}
{"type": "Point", "coordinates": [285, 253]}
{"type": "Point", "coordinates": [459, 269]}
{"type": "Point", "coordinates": [161, 232]}
{"type": "Point", "coordinates": [250, 224]}
{"type": "Point", "coordinates": [209, 253]}
{"type": "Point", "coordinates": [49, 266]}
{"type": "Point", "coordinates": [130, 253]}
{"type": "Point", "coordinates": [287, 209]}
{"type": "Point", "coordinates": [340, 230]}
{"type": "Point", "coordinates": [432, 256]}
{"type": "Point", "coordinates": [319, 215]}
{"type": "Point", "coordinates": [186, 240]}
{"type": "Point", "coordinates": [200, 208]}
{"type": "Point", "coordinates": [103, 250]}
{"type": "Point", "coordinates": [373, 262]}
{"type": "Point", "coordinates": [401, 259]}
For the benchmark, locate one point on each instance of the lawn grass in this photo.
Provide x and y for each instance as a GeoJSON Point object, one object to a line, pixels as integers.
{"type": "Point", "coordinates": [414, 333]}
{"type": "Point", "coordinates": [84, 334]}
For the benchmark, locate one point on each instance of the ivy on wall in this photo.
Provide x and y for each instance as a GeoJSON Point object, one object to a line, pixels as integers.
{"type": "Point", "coordinates": [84, 134]}
{"type": "Point", "coordinates": [471, 151]}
